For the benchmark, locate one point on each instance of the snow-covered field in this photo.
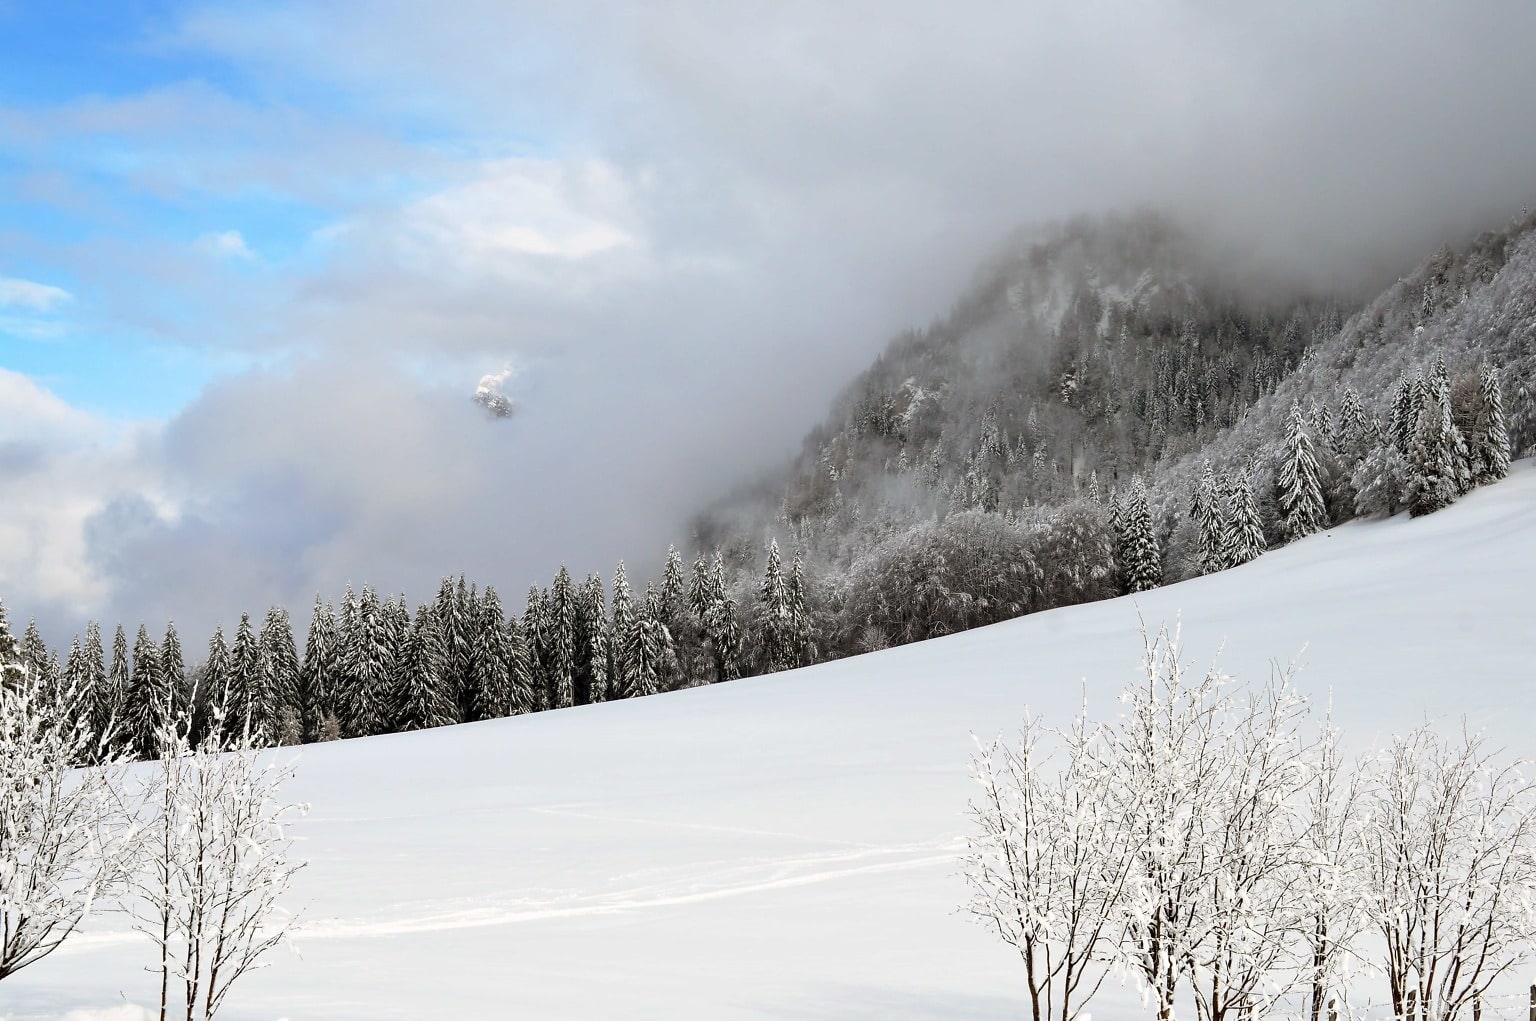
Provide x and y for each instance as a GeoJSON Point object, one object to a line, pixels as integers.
{"type": "Point", "coordinates": [785, 847]}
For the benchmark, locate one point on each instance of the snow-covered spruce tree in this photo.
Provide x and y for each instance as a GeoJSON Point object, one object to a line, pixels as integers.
{"type": "Point", "coordinates": [801, 631]}
{"type": "Point", "coordinates": [1407, 399]}
{"type": "Point", "coordinates": [682, 623]}
{"type": "Point", "coordinates": [1208, 508]}
{"type": "Point", "coordinates": [216, 864]}
{"type": "Point", "coordinates": [494, 663]}
{"type": "Point", "coordinates": [533, 641]}
{"type": "Point", "coordinates": [1450, 839]}
{"type": "Point", "coordinates": [147, 705]}
{"type": "Point", "coordinates": [1432, 473]}
{"type": "Point", "coordinates": [721, 629]}
{"type": "Point", "coordinates": [421, 697]}
{"type": "Point", "coordinates": [1489, 438]}
{"type": "Point", "coordinates": [212, 698]}
{"type": "Point", "coordinates": [93, 688]}
{"type": "Point", "coordinates": [774, 635]}
{"type": "Point", "coordinates": [1380, 480]}
{"type": "Point", "coordinates": [369, 669]}
{"type": "Point", "coordinates": [1299, 481]}
{"type": "Point", "coordinates": [459, 610]}
{"type": "Point", "coordinates": [648, 653]}
{"type": "Point", "coordinates": [524, 688]}
{"type": "Point", "coordinates": [247, 683]}
{"type": "Point", "coordinates": [1243, 531]}
{"type": "Point", "coordinates": [1141, 562]}
{"type": "Point", "coordinates": [320, 675]}
{"type": "Point", "coordinates": [65, 839]}
{"type": "Point", "coordinates": [558, 640]}
{"type": "Point", "coordinates": [173, 666]}
{"type": "Point", "coordinates": [114, 694]}
{"type": "Point", "coordinates": [1356, 432]}
{"type": "Point", "coordinates": [592, 642]}
{"type": "Point", "coordinates": [280, 654]}
{"type": "Point", "coordinates": [1047, 864]}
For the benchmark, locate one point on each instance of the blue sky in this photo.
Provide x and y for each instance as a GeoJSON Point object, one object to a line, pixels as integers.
{"type": "Point", "coordinates": [123, 144]}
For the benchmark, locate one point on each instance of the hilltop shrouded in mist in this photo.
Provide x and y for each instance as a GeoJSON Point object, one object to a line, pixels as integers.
{"type": "Point", "coordinates": [689, 227]}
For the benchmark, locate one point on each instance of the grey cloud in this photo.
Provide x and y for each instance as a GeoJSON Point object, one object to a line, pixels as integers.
{"type": "Point", "coordinates": [803, 180]}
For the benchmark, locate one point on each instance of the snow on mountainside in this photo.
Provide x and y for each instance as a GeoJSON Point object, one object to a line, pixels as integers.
{"type": "Point", "coordinates": [784, 847]}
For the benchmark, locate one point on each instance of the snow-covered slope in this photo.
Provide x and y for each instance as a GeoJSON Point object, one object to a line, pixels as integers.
{"type": "Point", "coordinates": [784, 847]}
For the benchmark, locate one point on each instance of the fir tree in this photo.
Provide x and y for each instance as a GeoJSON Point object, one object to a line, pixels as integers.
{"type": "Point", "coordinates": [621, 680]}
{"type": "Point", "coordinates": [421, 698]}
{"type": "Point", "coordinates": [320, 675]}
{"type": "Point", "coordinates": [1489, 441]}
{"type": "Point", "coordinates": [1356, 433]}
{"type": "Point", "coordinates": [721, 626]}
{"type": "Point", "coordinates": [592, 642]}
{"type": "Point", "coordinates": [775, 636]}
{"type": "Point", "coordinates": [493, 661]}
{"type": "Point", "coordinates": [244, 710]}
{"type": "Point", "coordinates": [173, 665]}
{"type": "Point", "coordinates": [94, 681]}
{"type": "Point", "coordinates": [1208, 510]}
{"type": "Point", "coordinates": [369, 667]}
{"type": "Point", "coordinates": [1300, 481]}
{"type": "Point", "coordinates": [802, 637]}
{"type": "Point", "coordinates": [649, 651]}
{"type": "Point", "coordinates": [533, 641]}
{"type": "Point", "coordinates": [524, 687]}
{"type": "Point", "coordinates": [1406, 401]}
{"type": "Point", "coordinates": [559, 640]}
{"type": "Point", "coordinates": [111, 696]}
{"type": "Point", "coordinates": [1432, 474]}
{"type": "Point", "coordinates": [147, 706]}
{"type": "Point", "coordinates": [1141, 561]}
{"type": "Point", "coordinates": [1243, 529]}
{"type": "Point", "coordinates": [280, 697]}
{"type": "Point", "coordinates": [13, 669]}
{"type": "Point", "coordinates": [34, 653]}
{"type": "Point", "coordinates": [214, 696]}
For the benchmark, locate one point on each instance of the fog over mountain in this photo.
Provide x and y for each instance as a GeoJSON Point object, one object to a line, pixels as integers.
{"type": "Point", "coordinates": [685, 227]}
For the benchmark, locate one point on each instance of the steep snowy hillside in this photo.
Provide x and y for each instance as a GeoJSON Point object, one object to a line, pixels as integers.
{"type": "Point", "coordinates": [784, 847]}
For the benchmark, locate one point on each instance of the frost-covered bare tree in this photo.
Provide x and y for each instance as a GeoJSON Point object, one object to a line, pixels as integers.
{"type": "Point", "coordinates": [66, 838]}
{"type": "Point", "coordinates": [1207, 779]}
{"type": "Point", "coordinates": [1046, 864]}
{"type": "Point", "coordinates": [1332, 870]}
{"type": "Point", "coordinates": [1451, 847]}
{"type": "Point", "coordinates": [217, 865]}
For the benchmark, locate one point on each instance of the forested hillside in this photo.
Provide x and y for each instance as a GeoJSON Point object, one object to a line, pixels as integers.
{"type": "Point", "coordinates": [1107, 410]}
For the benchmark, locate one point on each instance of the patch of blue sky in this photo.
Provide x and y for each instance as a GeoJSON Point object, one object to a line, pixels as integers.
{"type": "Point", "coordinates": [123, 378]}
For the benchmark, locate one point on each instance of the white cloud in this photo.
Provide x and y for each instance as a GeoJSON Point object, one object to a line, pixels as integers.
{"type": "Point", "coordinates": [61, 466]}
{"type": "Point", "coordinates": [228, 244]}
{"type": "Point", "coordinates": [30, 295]}
{"type": "Point", "coordinates": [512, 209]}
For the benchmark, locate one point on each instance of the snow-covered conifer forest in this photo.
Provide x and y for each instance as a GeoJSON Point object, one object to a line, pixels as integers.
{"type": "Point", "coordinates": [1349, 835]}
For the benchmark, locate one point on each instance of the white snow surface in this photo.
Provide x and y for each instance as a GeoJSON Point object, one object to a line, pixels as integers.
{"type": "Point", "coordinates": [785, 847]}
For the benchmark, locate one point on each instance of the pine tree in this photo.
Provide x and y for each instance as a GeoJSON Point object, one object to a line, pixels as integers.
{"type": "Point", "coordinates": [533, 641]}
{"type": "Point", "coordinates": [1356, 433]}
{"type": "Point", "coordinates": [34, 654]}
{"type": "Point", "coordinates": [1489, 441]}
{"type": "Point", "coordinates": [243, 711]}
{"type": "Point", "coordinates": [493, 661]}
{"type": "Point", "coordinates": [1141, 562]}
{"type": "Point", "coordinates": [1432, 474]}
{"type": "Point", "coordinates": [1300, 481]}
{"type": "Point", "coordinates": [775, 638]}
{"type": "Point", "coordinates": [173, 665]}
{"type": "Point", "coordinates": [13, 669]}
{"type": "Point", "coordinates": [214, 695]}
{"type": "Point", "coordinates": [281, 676]}
{"type": "Point", "coordinates": [802, 636]}
{"type": "Point", "coordinates": [94, 681]}
{"type": "Point", "coordinates": [523, 683]}
{"type": "Point", "coordinates": [369, 667]}
{"type": "Point", "coordinates": [621, 680]}
{"type": "Point", "coordinates": [1208, 510]}
{"type": "Point", "coordinates": [458, 610]}
{"type": "Point", "coordinates": [721, 625]}
{"type": "Point", "coordinates": [649, 650]}
{"type": "Point", "coordinates": [1243, 530]}
{"type": "Point", "coordinates": [1406, 401]}
{"type": "Point", "coordinates": [421, 698]}
{"type": "Point", "coordinates": [147, 706]}
{"type": "Point", "coordinates": [592, 642]}
{"type": "Point", "coordinates": [320, 674]}
{"type": "Point", "coordinates": [559, 640]}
